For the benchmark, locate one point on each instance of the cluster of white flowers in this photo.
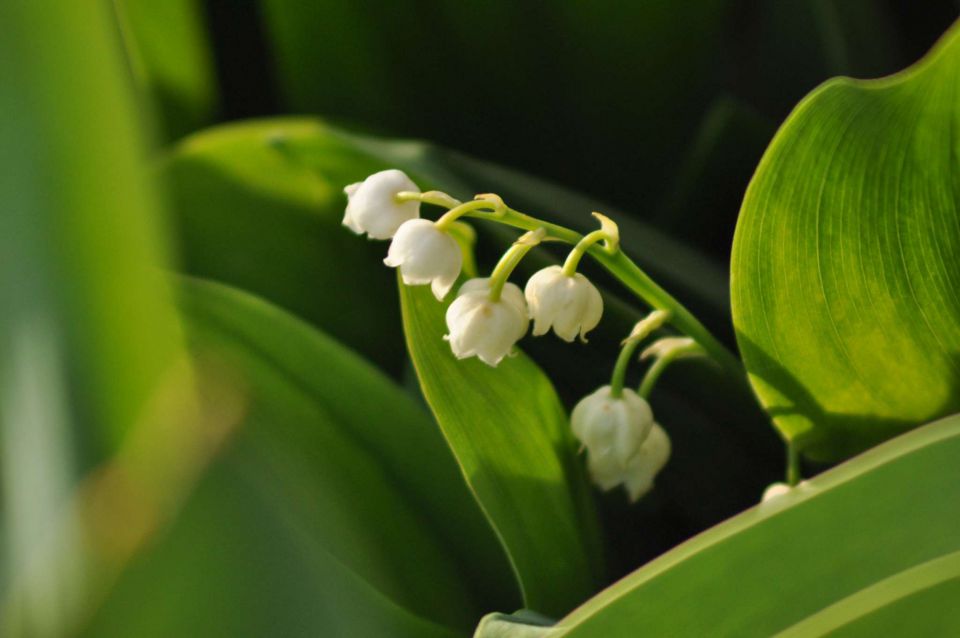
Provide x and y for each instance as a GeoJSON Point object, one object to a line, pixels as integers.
{"type": "Point", "coordinates": [483, 321]}
{"type": "Point", "coordinates": [624, 445]}
{"type": "Point", "coordinates": [489, 315]}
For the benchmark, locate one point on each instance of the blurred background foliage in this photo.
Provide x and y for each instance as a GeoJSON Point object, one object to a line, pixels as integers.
{"type": "Point", "coordinates": [660, 109]}
{"type": "Point", "coordinates": [634, 102]}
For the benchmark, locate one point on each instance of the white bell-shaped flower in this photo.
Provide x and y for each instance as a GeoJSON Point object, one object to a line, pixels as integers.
{"type": "Point", "coordinates": [611, 428]}
{"type": "Point", "coordinates": [647, 463]}
{"type": "Point", "coordinates": [425, 255]}
{"type": "Point", "coordinates": [571, 304]}
{"type": "Point", "coordinates": [372, 207]}
{"type": "Point", "coordinates": [483, 328]}
{"type": "Point", "coordinates": [774, 490]}
{"type": "Point", "coordinates": [624, 446]}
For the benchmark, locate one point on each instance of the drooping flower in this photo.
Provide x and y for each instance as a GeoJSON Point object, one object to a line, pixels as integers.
{"type": "Point", "coordinates": [425, 255]}
{"type": "Point", "coordinates": [481, 327]}
{"type": "Point", "coordinates": [647, 463]}
{"type": "Point", "coordinates": [624, 446]}
{"type": "Point", "coordinates": [568, 303]}
{"type": "Point", "coordinates": [372, 206]}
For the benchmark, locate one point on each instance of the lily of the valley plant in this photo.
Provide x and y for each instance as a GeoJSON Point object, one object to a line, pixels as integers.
{"type": "Point", "coordinates": [614, 424]}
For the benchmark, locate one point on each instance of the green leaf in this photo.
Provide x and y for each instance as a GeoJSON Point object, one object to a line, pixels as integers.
{"type": "Point", "coordinates": [259, 206]}
{"type": "Point", "coordinates": [512, 440]}
{"type": "Point", "coordinates": [168, 54]}
{"type": "Point", "coordinates": [336, 510]}
{"type": "Point", "coordinates": [838, 547]}
{"type": "Point", "coordinates": [844, 269]}
{"type": "Point", "coordinates": [918, 601]}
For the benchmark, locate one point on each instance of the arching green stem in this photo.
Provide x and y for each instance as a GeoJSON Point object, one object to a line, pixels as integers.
{"type": "Point", "coordinates": [437, 198]}
{"type": "Point", "coordinates": [678, 348]}
{"type": "Point", "coordinates": [510, 260]}
{"type": "Point", "coordinates": [793, 464]}
{"type": "Point", "coordinates": [641, 331]}
{"type": "Point", "coordinates": [616, 262]}
{"type": "Point", "coordinates": [573, 259]}
{"type": "Point", "coordinates": [620, 369]}
{"type": "Point", "coordinates": [639, 283]}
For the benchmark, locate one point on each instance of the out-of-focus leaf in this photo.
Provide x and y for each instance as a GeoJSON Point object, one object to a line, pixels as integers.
{"type": "Point", "coordinates": [512, 439]}
{"type": "Point", "coordinates": [845, 270]}
{"type": "Point", "coordinates": [259, 206]}
{"type": "Point", "coordinates": [166, 48]}
{"type": "Point", "coordinates": [338, 509]}
{"type": "Point", "coordinates": [86, 327]}
{"type": "Point", "coordinates": [838, 547]}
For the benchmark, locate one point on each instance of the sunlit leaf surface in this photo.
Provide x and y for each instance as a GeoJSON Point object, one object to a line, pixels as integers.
{"type": "Point", "coordinates": [844, 276]}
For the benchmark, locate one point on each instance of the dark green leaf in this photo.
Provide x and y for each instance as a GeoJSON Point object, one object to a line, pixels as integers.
{"type": "Point", "coordinates": [512, 439]}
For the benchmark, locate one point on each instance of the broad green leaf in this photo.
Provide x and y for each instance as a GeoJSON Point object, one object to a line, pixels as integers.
{"type": "Point", "coordinates": [879, 532]}
{"type": "Point", "coordinates": [338, 487]}
{"type": "Point", "coordinates": [919, 601]}
{"type": "Point", "coordinates": [844, 270]}
{"type": "Point", "coordinates": [259, 206]}
{"type": "Point", "coordinates": [87, 331]}
{"type": "Point", "coordinates": [167, 51]}
{"type": "Point", "coordinates": [512, 440]}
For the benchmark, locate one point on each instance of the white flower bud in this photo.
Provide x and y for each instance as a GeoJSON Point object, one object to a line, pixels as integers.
{"type": "Point", "coordinates": [425, 255]}
{"type": "Point", "coordinates": [372, 207]}
{"type": "Point", "coordinates": [483, 328]}
{"type": "Point", "coordinates": [569, 304]}
{"type": "Point", "coordinates": [774, 490]}
{"type": "Point", "coordinates": [624, 446]}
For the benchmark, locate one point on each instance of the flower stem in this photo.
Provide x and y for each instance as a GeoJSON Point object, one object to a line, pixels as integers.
{"type": "Point", "coordinates": [620, 369]}
{"type": "Point", "coordinates": [457, 212]}
{"type": "Point", "coordinates": [510, 260]}
{"type": "Point", "coordinates": [616, 262]}
{"type": "Point", "coordinates": [793, 464]}
{"type": "Point", "coordinates": [661, 363]}
{"type": "Point", "coordinates": [638, 282]}
{"type": "Point", "coordinates": [573, 259]}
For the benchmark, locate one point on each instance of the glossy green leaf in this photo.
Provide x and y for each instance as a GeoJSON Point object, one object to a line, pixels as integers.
{"type": "Point", "coordinates": [167, 51]}
{"type": "Point", "coordinates": [844, 271]}
{"type": "Point", "coordinates": [878, 533]}
{"type": "Point", "coordinates": [338, 489]}
{"type": "Point", "coordinates": [512, 440]}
